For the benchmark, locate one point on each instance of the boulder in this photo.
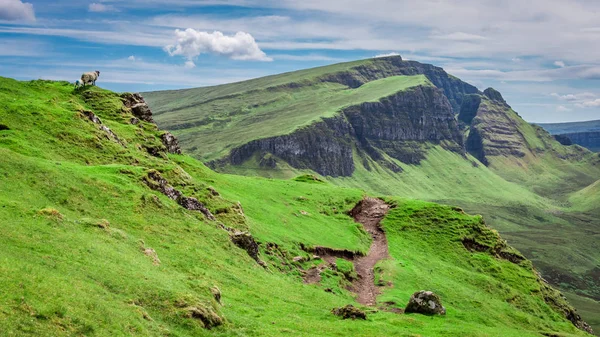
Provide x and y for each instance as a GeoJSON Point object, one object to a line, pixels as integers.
{"type": "Point", "coordinates": [349, 312]}
{"type": "Point", "coordinates": [426, 303]}
{"type": "Point", "coordinates": [138, 106]}
{"type": "Point", "coordinates": [171, 143]}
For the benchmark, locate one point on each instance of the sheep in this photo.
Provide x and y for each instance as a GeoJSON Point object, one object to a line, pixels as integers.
{"type": "Point", "coordinates": [90, 78]}
{"type": "Point", "coordinates": [78, 84]}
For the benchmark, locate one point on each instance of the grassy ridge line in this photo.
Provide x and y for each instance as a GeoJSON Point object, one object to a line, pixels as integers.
{"type": "Point", "coordinates": [225, 124]}
{"type": "Point", "coordinates": [174, 99]}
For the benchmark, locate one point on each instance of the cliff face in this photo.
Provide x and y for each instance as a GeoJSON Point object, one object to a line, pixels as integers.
{"type": "Point", "coordinates": [590, 140]}
{"type": "Point", "coordinates": [396, 126]}
{"type": "Point", "coordinates": [453, 88]}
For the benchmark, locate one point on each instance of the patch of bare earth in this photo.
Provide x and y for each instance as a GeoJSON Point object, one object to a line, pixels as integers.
{"type": "Point", "coordinates": [369, 213]}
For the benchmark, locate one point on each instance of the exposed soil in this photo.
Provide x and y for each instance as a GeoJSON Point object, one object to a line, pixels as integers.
{"type": "Point", "coordinates": [369, 213]}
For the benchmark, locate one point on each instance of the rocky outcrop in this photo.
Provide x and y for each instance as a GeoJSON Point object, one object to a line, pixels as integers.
{"type": "Point", "coordinates": [426, 303]}
{"type": "Point", "coordinates": [156, 182]}
{"type": "Point", "coordinates": [453, 88]}
{"type": "Point", "coordinates": [107, 131]}
{"type": "Point", "coordinates": [349, 312]}
{"type": "Point", "coordinates": [245, 241]}
{"type": "Point", "coordinates": [494, 132]}
{"type": "Point", "coordinates": [138, 106]}
{"type": "Point", "coordinates": [170, 142]}
{"type": "Point", "coordinates": [396, 126]}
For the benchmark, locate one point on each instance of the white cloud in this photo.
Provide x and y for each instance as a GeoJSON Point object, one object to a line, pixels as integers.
{"type": "Point", "coordinates": [562, 108]}
{"type": "Point", "coordinates": [516, 59]}
{"type": "Point", "coordinates": [16, 10]}
{"type": "Point", "coordinates": [131, 58]}
{"type": "Point", "coordinates": [387, 54]}
{"type": "Point", "coordinates": [560, 64]}
{"type": "Point", "coordinates": [574, 97]}
{"type": "Point", "coordinates": [189, 64]}
{"type": "Point", "coordinates": [100, 8]}
{"type": "Point", "coordinates": [191, 43]}
{"type": "Point", "coordinates": [589, 104]}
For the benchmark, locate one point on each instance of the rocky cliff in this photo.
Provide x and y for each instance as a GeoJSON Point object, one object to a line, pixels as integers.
{"type": "Point", "coordinates": [397, 126]}
{"type": "Point", "coordinates": [453, 88]}
{"type": "Point", "coordinates": [590, 140]}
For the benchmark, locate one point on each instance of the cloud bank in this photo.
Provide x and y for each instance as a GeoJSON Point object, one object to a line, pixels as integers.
{"type": "Point", "coordinates": [190, 44]}
{"type": "Point", "coordinates": [16, 10]}
{"type": "Point", "coordinates": [101, 8]}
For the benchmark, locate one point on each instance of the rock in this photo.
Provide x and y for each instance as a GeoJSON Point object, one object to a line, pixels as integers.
{"type": "Point", "coordinates": [298, 259]}
{"type": "Point", "coordinates": [216, 292]}
{"type": "Point", "coordinates": [426, 303]}
{"type": "Point", "coordinates": [245, 241]}
{"type": "Point", "coordinates": [170, 142]}
{"type": "Point", "coordinates": [96, 120]}
{"type": "Point", "coordinates": [349, 311]}
{"type": "Point", "coordinates": [494, 95]}
{"type": "Point", "coordinates": [156, 182]}
{"type": "Point", "coordinates": [207, 316]}
{"type": "Point", "coordinates": [134, 121]}
{"type": "Point", "coordinates": [194, 205]}
{"type": "Point", "coordinates": [138, 106]}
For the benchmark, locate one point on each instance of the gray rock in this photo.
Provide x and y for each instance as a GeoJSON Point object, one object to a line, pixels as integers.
{"type": "Point", "coordinates": [170, 142]}
{"type": "Point", "coordinates": [426, 303]}
{"type": "Point", "coordinates": [138, 106]}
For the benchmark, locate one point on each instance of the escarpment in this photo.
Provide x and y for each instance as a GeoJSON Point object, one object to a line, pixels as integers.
{"type": "Point", "coordinates": [453, 88]}
{"type": "Point", "coordinates": [395, 126]}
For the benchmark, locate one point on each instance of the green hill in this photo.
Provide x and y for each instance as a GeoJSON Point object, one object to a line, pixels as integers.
{"type": "Point", "coordinates": [107, 231]}
{"type": "Point", "coordinates": [446, 142]}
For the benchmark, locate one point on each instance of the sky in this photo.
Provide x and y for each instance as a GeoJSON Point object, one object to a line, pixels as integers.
{"type": "Point", "coordinates": [542, 55]}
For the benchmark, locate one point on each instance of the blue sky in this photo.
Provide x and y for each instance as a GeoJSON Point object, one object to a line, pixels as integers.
{"type": "Point", "coordinates": [543, 55]}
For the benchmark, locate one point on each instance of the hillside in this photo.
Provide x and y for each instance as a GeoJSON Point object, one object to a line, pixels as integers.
{"type": "Point", "coordinates": [446, 142]}
{"type": "Point", "coordinates": [107, 230]}
{"type": "Point", "coordinates": [586, 134]}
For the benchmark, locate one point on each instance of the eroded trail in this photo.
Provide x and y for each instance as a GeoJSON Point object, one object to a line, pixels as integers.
{"type": "Point", "coordinates": [369, 213]}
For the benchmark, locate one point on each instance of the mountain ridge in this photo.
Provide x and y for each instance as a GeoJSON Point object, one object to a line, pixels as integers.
{"type": "Point", "coordinates": [495, 162]}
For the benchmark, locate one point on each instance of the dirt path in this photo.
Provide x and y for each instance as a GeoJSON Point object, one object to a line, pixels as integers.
{"type": "Point", "coordinates": [369, 213]}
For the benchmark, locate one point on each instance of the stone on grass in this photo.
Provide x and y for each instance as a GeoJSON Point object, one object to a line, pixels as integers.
{"type": "Point", "coordinates": [426, 303]}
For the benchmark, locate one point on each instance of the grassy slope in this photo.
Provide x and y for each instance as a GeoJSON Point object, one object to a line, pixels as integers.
{"type": "Point", "coordinates": [262, 111]}
{"type": "Point", "coordinates": [75, 215]}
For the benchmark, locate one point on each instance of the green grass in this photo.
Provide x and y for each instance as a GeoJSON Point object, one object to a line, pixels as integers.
{"type": "Point", "coordinates": [75, 215]}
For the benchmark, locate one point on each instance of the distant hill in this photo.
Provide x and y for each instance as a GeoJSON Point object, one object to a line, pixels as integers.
{"type": "Point", "coordinates": [586, 134]}
{"type": "Point", "coordinates": [406, 129]}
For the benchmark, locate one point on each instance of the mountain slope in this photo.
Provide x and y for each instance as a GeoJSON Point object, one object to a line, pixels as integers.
{"type": "Point", "coordinates": [447, 143]}
{"type": "Point", "coordinates": [106, 231]}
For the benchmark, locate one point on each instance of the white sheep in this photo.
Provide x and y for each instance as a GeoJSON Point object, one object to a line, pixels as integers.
{"type": "Point", "coordinates": [90, 78]}
{"type": "Point", "coordinates": [78, 84]}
